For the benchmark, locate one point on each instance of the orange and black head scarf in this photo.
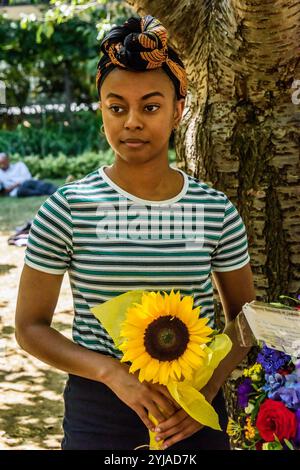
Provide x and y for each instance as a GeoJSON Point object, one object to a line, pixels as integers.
{"type": "Point", "coordinates": [140, 44]}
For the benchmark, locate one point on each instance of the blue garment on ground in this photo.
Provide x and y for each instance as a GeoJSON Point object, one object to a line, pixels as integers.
{"type": "Point", "coordinates": [35, 187]}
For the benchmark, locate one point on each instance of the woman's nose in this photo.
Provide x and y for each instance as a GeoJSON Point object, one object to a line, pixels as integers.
{"type": "Point", "coordinates": [133, 120]}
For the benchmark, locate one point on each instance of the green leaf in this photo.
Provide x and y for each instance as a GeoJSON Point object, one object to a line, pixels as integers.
{"type": "Point", "coordinates": [24, 23]}
{"type": "Point", "coordinates": [39, 34]}
{"type": "Point", "coordinates": [279, 305]}
{"type": "Point", "coordinates": [288, 297]}
{"type": "Point", "coordinates": [275, 445]}
{"type": "Point", "coordinates": [257, 404]}
{"type": "Point", "coordinates": [49, 30]}
{"type": "Point", "coordinates": [289, 444]}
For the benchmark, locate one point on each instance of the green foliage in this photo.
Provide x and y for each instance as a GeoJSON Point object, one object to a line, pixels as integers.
{"type": "Point", "coordinates": [55, 59]}
{"type": "Point", "coordinates": [108, 12]}
{"type": "Point", "coordinates": [55, 69]}
{"type": "Point", "coordinates": [56, 133]}
{"type": "Point", "coordinates": [61, 166]}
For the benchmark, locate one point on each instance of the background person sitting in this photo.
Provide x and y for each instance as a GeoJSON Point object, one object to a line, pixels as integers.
{"type": "Point", "coordinates": [16, 180]}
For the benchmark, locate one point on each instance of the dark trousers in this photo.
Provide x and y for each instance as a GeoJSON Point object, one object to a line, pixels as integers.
{"type": "Point", "coordinates": [35, 188]}
{"type": "Point", "coordinates": [96, 419]}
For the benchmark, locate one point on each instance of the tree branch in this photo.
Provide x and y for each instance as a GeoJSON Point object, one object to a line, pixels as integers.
{"type": "Point", "coordinates": [185, 20]}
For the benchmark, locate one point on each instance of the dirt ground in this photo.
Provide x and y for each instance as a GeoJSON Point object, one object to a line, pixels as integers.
{"type": "Point", "coordinates": [31, 404]}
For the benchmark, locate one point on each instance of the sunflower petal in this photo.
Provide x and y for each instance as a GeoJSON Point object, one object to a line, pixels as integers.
{"type": "Point", "coordinates": [196, 311]}
{"type": "Point", "coordinates": [199, 329]}
{"type": "Point", "coordinates": [176, 369]}
{"type": "Point", "coordinates": [196, 348]}
{"type": "Point", "coordinates": [141, 361]}
{"type": "Point", "coordinates": [126, 357]}
{"type": "Point", "coordinates": [185, 367]}
{"type": "Point", "coordinates": [193, 358]}
{"type": "Point", "coordinates": [174, 302]}
{"type": "Point", "coordinates": [166, 304]}
{"type": "Point", "coordinates": [134, 343]}
{"type": "Point", "coordinates": [159, 302]}
{"type": "Point", "coordinates": [186, 304]}
{"type": "Point", "coordinates": [151, 370]}
{"type": "Point", "coordinates": [164, 372]}
{"type": "Point", "coordinates": [142, 374]}
{"type": "Point", "coordinates": [136, 352]}
{"type": "Point", "coordinates": [199, 339]}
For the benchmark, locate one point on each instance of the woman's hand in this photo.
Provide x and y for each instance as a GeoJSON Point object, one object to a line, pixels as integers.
{"type": "Point", "coordinates": [181, 425]}
{"type": "Point", "coordinates": [178, 427]}
{"type": "Point", "coordinates": [142, 397]}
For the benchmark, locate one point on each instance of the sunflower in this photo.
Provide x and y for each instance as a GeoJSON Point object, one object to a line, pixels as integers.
{"type": "Point", "coordinates": [164, 337]}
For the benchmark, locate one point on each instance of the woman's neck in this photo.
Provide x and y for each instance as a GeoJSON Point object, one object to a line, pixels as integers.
{"type": "Point", "coordinates": [149, 180]}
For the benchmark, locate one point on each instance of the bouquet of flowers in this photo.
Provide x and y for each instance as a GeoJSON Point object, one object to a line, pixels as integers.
{"type": "Point", "coordinates": [164, 338]}
{"type": "Point", "coordinates": [268, 397]}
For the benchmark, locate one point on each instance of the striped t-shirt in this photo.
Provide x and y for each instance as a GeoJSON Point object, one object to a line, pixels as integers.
{"type": "Point", "coordinates": [111, 242]}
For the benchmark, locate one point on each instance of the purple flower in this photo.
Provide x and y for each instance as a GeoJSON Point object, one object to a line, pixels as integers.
{"type": "Point", "coordinates": [297, 438]}
{"type": "Point", "coordinates": [244, 389]}
{"type": "Point", "coordinates": [272, 360]}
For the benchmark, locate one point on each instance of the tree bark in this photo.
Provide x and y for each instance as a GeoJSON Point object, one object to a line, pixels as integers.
{"type": "Point", "coordinates": [241, 131]}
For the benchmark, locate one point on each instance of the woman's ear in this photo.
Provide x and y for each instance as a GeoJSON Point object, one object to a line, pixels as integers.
{"type": "Point", "coordinates": [179, 107]}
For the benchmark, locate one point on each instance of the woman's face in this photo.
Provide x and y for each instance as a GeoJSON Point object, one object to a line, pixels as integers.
{"type": "Point", "coordinates": [139, 106]}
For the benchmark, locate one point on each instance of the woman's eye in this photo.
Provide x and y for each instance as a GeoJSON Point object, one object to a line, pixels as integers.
{"type": "Point", "coordinates": [152, 106]}
{"type": "Point", "coordinates": [114, 107]}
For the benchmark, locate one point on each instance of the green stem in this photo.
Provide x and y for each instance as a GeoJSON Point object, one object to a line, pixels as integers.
{"type": "Point", "coordinates": [288, 297]}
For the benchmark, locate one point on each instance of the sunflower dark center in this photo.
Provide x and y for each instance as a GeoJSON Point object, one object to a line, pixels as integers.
{"type": "Point", "coordinates": [166, 338]}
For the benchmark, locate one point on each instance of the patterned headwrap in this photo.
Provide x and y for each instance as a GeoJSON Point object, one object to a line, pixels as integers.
{"type": "Point", "coordinates": [141, 44]}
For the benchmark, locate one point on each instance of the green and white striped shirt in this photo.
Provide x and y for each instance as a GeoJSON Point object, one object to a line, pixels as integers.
{"type": "Point", "coordinates": [111, 242]}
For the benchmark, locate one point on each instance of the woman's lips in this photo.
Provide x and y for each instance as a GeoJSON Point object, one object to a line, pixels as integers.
{"type": "Point", "coordinates": [134, 144]}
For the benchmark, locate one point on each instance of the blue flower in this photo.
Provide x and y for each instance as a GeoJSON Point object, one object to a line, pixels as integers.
{"type": "Point", "coordinates": [272, 360]}
{"type": "Point", "coordinates": [273, 383]}
{"type": "Point", "coordinates": [289, 393]}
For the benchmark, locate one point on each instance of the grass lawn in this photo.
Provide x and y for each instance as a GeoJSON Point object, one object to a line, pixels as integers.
{"type": "Point", "coordinates": [16, 211]}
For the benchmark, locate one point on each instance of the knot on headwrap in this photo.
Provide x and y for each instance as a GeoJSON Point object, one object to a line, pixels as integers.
{"type": "Point", "coordinates": [140, 44]}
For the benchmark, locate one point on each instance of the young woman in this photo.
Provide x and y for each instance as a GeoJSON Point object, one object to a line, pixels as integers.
{"type": "Point", "coordinates": [119, 229]}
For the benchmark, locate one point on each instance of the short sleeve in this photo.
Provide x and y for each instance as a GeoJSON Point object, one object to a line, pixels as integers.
{"type": "Point", "coordinates": [232, 250]}
{"type": "Point", "coordinates": [49, 246]}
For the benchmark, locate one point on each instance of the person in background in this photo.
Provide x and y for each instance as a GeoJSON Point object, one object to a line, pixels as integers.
{"type": "Point", "coordinates": [16, 180]}
{"type": "Point", "coordinates": [12, 175]}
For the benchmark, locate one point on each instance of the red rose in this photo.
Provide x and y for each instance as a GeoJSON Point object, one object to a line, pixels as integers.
{"type": "Point", "coordinates": [275, 418]}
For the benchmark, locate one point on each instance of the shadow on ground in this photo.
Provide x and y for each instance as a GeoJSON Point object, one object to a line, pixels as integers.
{"type": "Point", "coordinates": [34, 417]}
{"type": "Point", "coordinates": [5, 268]}
{"type": "Point", "coordinates": [31, 393]}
